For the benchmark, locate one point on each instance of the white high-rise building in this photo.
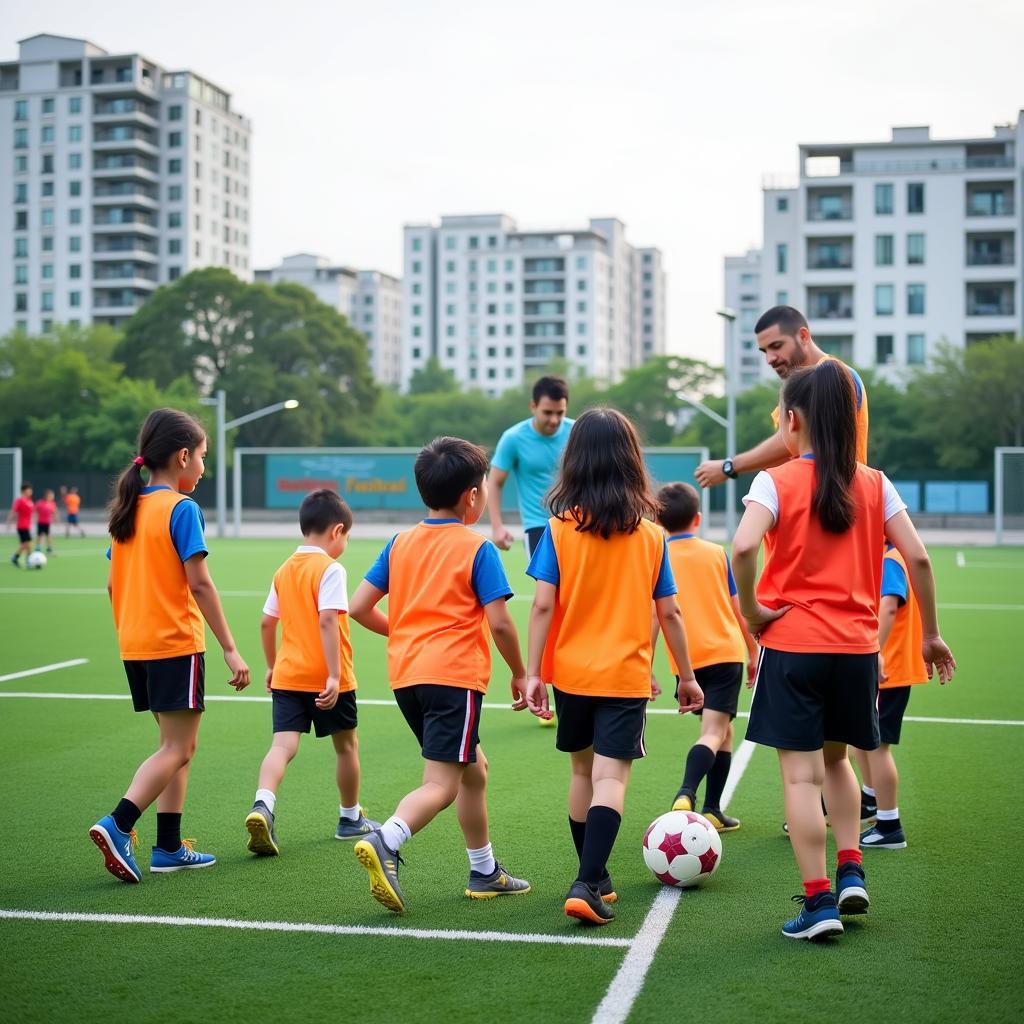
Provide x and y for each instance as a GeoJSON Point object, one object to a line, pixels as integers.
{"type": "Point", "coordinates": [743, 295]}
{"type": "Point", "coordinates": [891, 247]}
{"type": "Point", "coordinates": [370, 299]}
{"type": "Point", "coordinates": [495, 304]}
{"type": "Point", "coordinates": [116, 176]}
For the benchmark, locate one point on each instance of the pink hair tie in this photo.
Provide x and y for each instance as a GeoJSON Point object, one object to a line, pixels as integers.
{"type": "Point", "coordinates": [138, 460]}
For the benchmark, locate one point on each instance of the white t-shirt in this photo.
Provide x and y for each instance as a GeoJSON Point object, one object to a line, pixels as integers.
{"type": "Point", "coordinates": [763, 491]}
{"type": "Point", "coordinates": [333, 587]}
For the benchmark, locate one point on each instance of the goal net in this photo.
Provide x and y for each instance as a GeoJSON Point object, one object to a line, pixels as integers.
{"type": "Point", "coordinates": [1009, 495]}
{"type": "Point", "coordinates": [10, 476]}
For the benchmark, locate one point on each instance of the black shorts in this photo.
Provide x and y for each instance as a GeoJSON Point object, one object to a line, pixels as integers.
{"type": "Point", "coordinates": [72, 519]}
{"type": "Point", "coordinates": [721, 685]}
{"type": "Point", "coordinates": [802, 700]}
{"type": "Point", "coordinates": [296, 711]}
{"type": "Point", "coordinates": [892, 706]}
{"type": "Point", "coordinates": [533, 536]}
{"type": "Point", "coordinates": [168, 684]}
{"type": "Point", "coordinates": [613, 726]}
{"type": "Point", "coordinates": [42, 529]}
{"type": "Point", "coordinates": [25, 536]}
{"type": "Point", "coordinates": [445, 719]}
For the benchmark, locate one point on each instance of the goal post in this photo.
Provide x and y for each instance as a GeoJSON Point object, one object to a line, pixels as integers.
{"type": "Point", "coordinates": [10, 475]}
{"type": "Point", "coordinates": [1009, 494]}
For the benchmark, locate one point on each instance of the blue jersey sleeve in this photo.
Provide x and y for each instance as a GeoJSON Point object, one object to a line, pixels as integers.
{"type": "Point", "coordinates": [489, 580]}
{"type": "Point", "coordinates": [506, 454]}
{"type": "Point", "coordinates": [379, 574]}
{"type": "Point", "coordinates": [544, 563]}
{"type": "Point", "coordinates": [729, 576]}
{"type": "Point", "coordinates": [858, 386]}
{"type": "Point", "coordinates": [666, 585]}
{"type": "Point", "coordinates": [188, 530]}
{"type": "Point", "coordinates": [894, 580]}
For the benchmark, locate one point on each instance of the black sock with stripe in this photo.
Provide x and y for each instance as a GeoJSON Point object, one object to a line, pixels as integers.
{"type": "Point", "coordinates": [602, 828]}
{"type": "Point", "coordinates": [716, 780]}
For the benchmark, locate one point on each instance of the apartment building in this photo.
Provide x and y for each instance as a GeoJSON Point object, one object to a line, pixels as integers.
{"type": "Point", "coordinates": [743, 295]}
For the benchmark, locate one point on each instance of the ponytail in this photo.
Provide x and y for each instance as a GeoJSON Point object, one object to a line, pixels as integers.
{"type": "Point", "coordinates": [825, 394]}
{"type": "Point", "coordinates": [165, 432]}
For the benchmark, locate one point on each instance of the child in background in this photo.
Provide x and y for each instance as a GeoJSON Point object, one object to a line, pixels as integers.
{"type": "Point", "coordinates": [823, 518]}
{"type": "Point", "coordinates": [21, 516]}
{"type": "Point", "coordinates": [445, 584]}
{"type": "Point", "coordinates": [46, 510]}
{"type": "Point", "coordinates": [310, 678]}
{"type": "Point", "coordinates": [721, 648]}
{"type": "Point", "coordinates": [160, 590]}
{"type": "Point", "coordinates": [598, 565]}
{"type": "Point", "coordinates": [72, 503]}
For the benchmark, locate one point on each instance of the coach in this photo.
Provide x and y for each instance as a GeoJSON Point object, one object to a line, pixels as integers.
{"type": "Point", "coordinates": [785, 339]}
{"type": "Point", "coordinates": [532, 450]}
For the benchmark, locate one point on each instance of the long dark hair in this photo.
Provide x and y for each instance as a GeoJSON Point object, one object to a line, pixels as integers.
{"type": "Point", "coordinates": [826, 397]}
{"type": "Point", "coordinates": [165, 432]}
{"type": "Point", "coordinates": [603, 483]}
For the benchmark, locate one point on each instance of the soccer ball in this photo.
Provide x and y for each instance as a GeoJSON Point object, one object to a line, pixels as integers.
{"type": "Point", "coordinates": [682, 848]}
{"type": "Point", "coordinates": [36, 560]}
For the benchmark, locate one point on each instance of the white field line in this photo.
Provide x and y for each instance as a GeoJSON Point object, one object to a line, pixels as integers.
{"type": "Point", "coordinates": [536, 938]}
{"type": "Point", "coordinates": [44, 668]}
{"type": "Point", "coordinates": [961, 561]}
{"type": "Point", "coordinates": [994, 565]}
{"type": "Point", "coordinates": [626, 985]}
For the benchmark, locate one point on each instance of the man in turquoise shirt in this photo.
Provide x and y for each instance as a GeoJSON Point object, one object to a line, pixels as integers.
{"type": "Point", "coordinates": [532, 449]}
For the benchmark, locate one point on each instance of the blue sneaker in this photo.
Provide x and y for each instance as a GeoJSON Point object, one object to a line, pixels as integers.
{"type": "Point", "coordinates": [851, 889]}
{"type": "Point", "coordinates": [818, 918]}
{"type": "Point", "coordinates": [117, 848]}
{"type": "Point", "coordinates": [875, 838]}
{"type": "Point", "coordinates": [182, 858]}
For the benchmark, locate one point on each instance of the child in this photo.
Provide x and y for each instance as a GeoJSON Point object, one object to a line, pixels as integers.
{"type": "Point", "coordinates": [720, 647]}
{"type": "Point", "coordinates": [823, 518]}
{"type": "Point", "coordinates": [72, 503]}
{"type": "Point", "coordinates": [45, 512]}
{"type": "Point", "coordinates": [598, 564]}
{"type": "Point", "coordinates": [900, 667]}
{"type": "Point", "coordinates": [444, 582]}
{"type": "Point", "coordinates": [158, 586]}
{"type": "Point", "coordinates": [21, 516]}
{"type": "Point", "coordinates": [311, 678]}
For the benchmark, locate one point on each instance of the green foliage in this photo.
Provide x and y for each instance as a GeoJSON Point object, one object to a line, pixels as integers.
{"type": "Point", "coordinates": [432, 378]}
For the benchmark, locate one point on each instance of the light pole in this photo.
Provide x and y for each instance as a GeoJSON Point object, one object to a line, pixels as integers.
{"type": "Point", "coordinates": [223, 426]}
{"type": "Point", "coordinates": [729, 316]}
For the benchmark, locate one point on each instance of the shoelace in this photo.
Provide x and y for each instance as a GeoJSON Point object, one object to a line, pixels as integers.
{"type": "Point", "coordinates": [133, 839]}
{"type": "Point", "coordinates": [190, 853]}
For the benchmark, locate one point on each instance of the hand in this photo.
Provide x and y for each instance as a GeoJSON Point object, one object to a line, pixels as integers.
{"type": "Point", "coordinates": [502, 539]}
{"type": "Point", "coordinates": [239, 670]}
{"type": "Point", "coordinates": [537, 698]}
{"type": "Point", "coordinates": [690, 695]}
{"type": "Point", "coordinates": [328, 696]}
{"type": "Point", "coordinates": [762, 617]}
{"type": "Point", "coordinates": [709, 474]}
{"type": "Point", "coordinates": [519, 693]}
{"type": "Point", "coordinates": [655, 688]}
{"type": "Point", "coordinates": [882, 677]}
{"type": "Point", "coordinates": [938, 656]}
{"type": "Point", "coordinates": [270, 676]}
{"type": "Point", "coordinates": [752, 671]}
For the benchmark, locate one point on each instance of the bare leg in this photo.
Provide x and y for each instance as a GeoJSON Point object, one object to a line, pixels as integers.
{"type": "Point", "coordinates": [471, 803]}
{"type": "Point", "coordinates": [887, 779]}
{"type": "Point", "coordinates": [283, 748]}
{"type": "Point", "coordinates": [178, 731]}
{"type": "Point", "coordinates": [803, 773]}
{"type": "Point", "coordinates": [441, 780]}
{"type": "Point", "coordinates": [581, 784]}
{"type": "Point", "coordinates": [842, 797]}
{"type": "Point", "coordinates": [863, 766]}
{"type": "Point", "coordinates": [715, 730]}
{"type": "Point", "coordinates": [610, 776]}
{"type": "Point", "coordinates": [346, 746]}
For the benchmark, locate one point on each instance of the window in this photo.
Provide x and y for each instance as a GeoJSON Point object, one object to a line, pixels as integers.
{"type": "Point", "coordinates": [492, 241]}
{"type": "Point", "coordinates": [74, 271]}
{"type": "Point", "coordinates": [581, 285]}
{"type": "Point", "coordinates": [472, 266]}
{"type": "Point", "coordinates": [450, 332]}
{"type": "Point", "coordinates": [174, 166]}
{"type": "Point", "coordinates": [20, 302]}
{"type": "Point", "coordinates": [74, 189]}
{"type": "Point", "coordinates": [46, 217]}
{"type": "Point", "coordinates": [20, 164]}
{"type": "Point", "coordinates": [47, 302]}
{"type": "Point", "coordinates": [174, 220]}
{"type": "Point", "coordinates": [417, 244]}
{"type": "Point", "coordinates": [48, 162]}
{"type": "Point", "coordinates": [48, 105]}
{"type": "Point", "coordinates": [883, 251]}
{"type": "Point", "coordinates": [74, 299]}
{"type": "Point", "coordinates": [75, 105]}
{"type": "Point", "coordinates": [915, 348]}
{"type": "Point", "coordinates": [21, 247]}
{"type": "Point", "coordinates": [782, 204]}
{"type": "Point", "coordinates": [883, 200]}
{"type": "Point", "coordinates": [581, 328]}
{"type": "Point", "coordinates": [509, 329]}
{"type": "Point", "coordinates": [416, 330]}
{"type": "Point", "coordinates": [173, 273]}
{"type": "Point", "coordinates": [884, 299]}
{"type": "Point", "coordinates": [416, 353]}
{"type": "Point", "coordinates": [21, 110]}
{"type": "Point", "coordinates": [174, 193]}
{"type": "Point", "coordinates": [20, 273]}
{"type": "Point", "coordinates": [509, 266]}
{"type": "Point", "coordinates": [174, 112]}
{"type": "Point", "coordinates": [174, 246]}
{"type": "Point", "coordinates": [781, 257]}
{"type": "Point", "coordinates": [20, 138]}
{"type": "Point", "coordinates": [74, 162]}
{"type": "Point", "coordinates": [883, 349]}
{"type": "Point", "coordinates": [75, 216]}
{"type": "Point", "coordinates": [416, 309]}
{"type": "Point", "coordinates": [915, 197]}
{"type": "Point", "coordinates": [915, 249]}
{"type": "Point", "coordinates": [474, 243]}
{"type": "Point", "coordinates": [510, 308]}
{"type": "Point", "coordinates": [450, 242]}
{"type": "Point", "coordinates": [74, 133]}
{"type": "Point", "coordinates": [915, 300]}
{"type": "Point", "coordinates": [510, 286]}
{"type": "Point", "coordinates": [581, 307]}
{"type": "Point", "coordinates": [492, 266]}
{"type": "Point", "coordinates": [174, 139]}
{"type": "Point", "coordinates": [417, 267]}
{"type": "Point", "coordinates": [21, 192]}
{"type": "Point", "coordinates": [449, 266]}
{"type": "Point", "coordinates": [47, 135]}
{"type": "Point", "coordinates": [75, 243]}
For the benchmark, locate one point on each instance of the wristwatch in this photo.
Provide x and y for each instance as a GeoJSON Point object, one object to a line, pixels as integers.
{"type": "Point", "coordinates": [728, 470]}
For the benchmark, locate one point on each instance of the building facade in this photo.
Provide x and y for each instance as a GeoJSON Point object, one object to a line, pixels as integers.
{"type": "Point", "coordinates": [495, 304]}
{"type": "Point", "coordinates": [116, 176]}
{"type": "Point", "coordinates": [743, 295]}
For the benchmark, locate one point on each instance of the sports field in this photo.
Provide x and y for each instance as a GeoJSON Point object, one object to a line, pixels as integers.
{"type": "Point", "coordinates": [299, 937]}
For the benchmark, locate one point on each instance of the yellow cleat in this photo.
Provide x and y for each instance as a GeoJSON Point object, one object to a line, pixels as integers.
{"type": "Point", "coordinates": [682, 803]}
{"type": "Point", "coordinates": [722, 822]}
{"type": "Point", "coordinates": [382, 866]}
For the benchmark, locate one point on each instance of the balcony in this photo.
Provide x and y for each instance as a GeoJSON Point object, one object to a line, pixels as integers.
{"type": "Point", "coordinates": [544, 286]}
{"type": "Point", "coordinates": [121, 216]}
{"type": "Point", "coordinates": [990, 250]}
{"type": "Point", "coordinates": [125, 193]}
{"type": "Point", "coordinates": [122, 109]}
{"type": "Point", "coordinates": [136, 140]}
{"type": "Point", "coordinates": [986, 199]}
{"type": "Point", "coordinates": [547, 308]}
{"type": "Point", "coordinates": [544, 265]}
{"type": "Point", "coordinates": [542, 353]}
{"type": "Point", "coordinates": [827, 204]}
{"type": "Point", "coordinates": [830, 254]}
{"type": "Point", "coordinates": [830, 303]}
{"type": "Point", "coordinates": [125, 165]}
{"type": "Point", "coordinates": [990, 299]}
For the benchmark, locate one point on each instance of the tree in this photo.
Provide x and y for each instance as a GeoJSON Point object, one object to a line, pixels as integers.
{"type": "Point", "coordinates": [432, 378]}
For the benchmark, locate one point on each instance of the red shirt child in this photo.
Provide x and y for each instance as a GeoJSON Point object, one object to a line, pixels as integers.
{"type": "Point", "coordinates": [22, 509]}
{"type": "Point", "coordinates": [45, 510]}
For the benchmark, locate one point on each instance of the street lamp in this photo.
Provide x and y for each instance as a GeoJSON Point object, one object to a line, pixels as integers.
{"type": "Point", "coordinates": [223, 427]}
{"type": "Point", "coordinates": [729, 316]}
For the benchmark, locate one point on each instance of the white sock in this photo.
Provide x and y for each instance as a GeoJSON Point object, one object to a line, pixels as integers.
{"type": "Point", "coordinates": [482, 860]}
{"type": "Point", "coordinates": [352, 813]}
{"type": "Point", "coordinates": [394, 832]}
{"type": "Point", "coordinates": [267, 797]}
{"type": "Point", "coordinates": [868, 790]}
{"type": "Point", "coordinates": [893, 815]}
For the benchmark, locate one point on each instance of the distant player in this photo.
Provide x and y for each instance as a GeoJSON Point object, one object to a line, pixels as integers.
{"type": "Point", "coordinates": [900, 667]}
{"type": "Point", "coordinates": [161, 591]}
{"type": "Point", "coordinates": [21, 516]}
{"type": "Point", "coordinates": [46, 511]}
{"type": "Point", "coordinates": [445, 586]}
{"type": "Point", "coordinates": [823, 518]}
{"type": "Point", "coordinates": [599, 564]}
{"type": "Point", "coordinates": [311, 678]}
{"type": "Point", "coordinates": [72, 503]}
{"type": "Point", "coordinates": [721, 648]}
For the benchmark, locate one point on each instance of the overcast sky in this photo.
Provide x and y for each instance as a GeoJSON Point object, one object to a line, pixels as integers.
{"type": "Point", "coordinates": [664, 114]}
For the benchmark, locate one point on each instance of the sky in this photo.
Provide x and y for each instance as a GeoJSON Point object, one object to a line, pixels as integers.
{"type": "Point", "coordinates": [667, 115]}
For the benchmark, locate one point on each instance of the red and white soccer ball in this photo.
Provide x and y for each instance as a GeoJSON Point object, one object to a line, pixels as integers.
{"type": "Point", "coordinates": [682, 848]}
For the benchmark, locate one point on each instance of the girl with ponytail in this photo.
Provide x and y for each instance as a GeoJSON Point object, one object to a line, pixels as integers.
{"type": "Point", "coordinates": [824, 519]}
{"type": "Point", "coordinates": [160, 590]}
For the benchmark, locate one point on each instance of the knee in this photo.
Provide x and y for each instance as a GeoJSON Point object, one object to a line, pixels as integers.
{"type": "Point", "coordinates": [346, 742]}
{"type": "Point", "coordinates": [183, 751]}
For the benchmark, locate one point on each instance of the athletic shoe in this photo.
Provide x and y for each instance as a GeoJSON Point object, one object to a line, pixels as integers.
{"type": "Point", "coordinates": [851, 889]}
{"type": "Point", "coordinates": [607, 889]}
{"type": "Point", "coordinates": [721, 821]}
{"type": "Point", "coordinates": [349, 829]}
{"type": "Point", "coordinates": [15, 561]}
{"type": "Point", "coordinates": [498, 883]}
{"type": "Point", "coordinates": [683, 801]}
{"type": "Point", "coordinates": [585, 903]}
{"type": "Point", "coordinates": [868, 808]}
{"type": "Point", "coordinates": [183, 858]}
{"type": "Point", "coordinates": [818, 918]}
{"type": "Point", "coordinates": [117, 848]}
{"type": "Point", "coordinates": [875, 838]}
{"type": "Point", "coordinates": [382, 865]}
{"type": "Point", "coordinates": [260, 826]}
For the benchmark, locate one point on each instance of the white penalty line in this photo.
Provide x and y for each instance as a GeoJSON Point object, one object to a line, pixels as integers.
{"type": "Point", "coordinates": [534, 938]}
{"type": "Point", "coordinates": [44, 668]}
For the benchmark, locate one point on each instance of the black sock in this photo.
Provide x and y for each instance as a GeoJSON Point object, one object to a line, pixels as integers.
{"type": "Point", "coordinates": [888, 827]}
{"type": "Point", "coordinates": [716, 780]}
{"type": "Point", "coordinates": [602, 828]}
{"type": "Point", "coordinates": [125, 814]}
{"type": "Point", "coordinates": [168, 831]}
{"type": "Point", "coordinates": [579, 831]}
{"type": "Point", "coordinates": [699, 762]}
